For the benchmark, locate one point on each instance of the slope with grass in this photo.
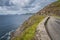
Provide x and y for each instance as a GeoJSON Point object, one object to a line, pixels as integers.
{"type": "Point", "coordinates": [28, 28]}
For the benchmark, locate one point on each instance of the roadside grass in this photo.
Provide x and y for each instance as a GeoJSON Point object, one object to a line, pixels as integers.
{"type": "Point", "coordinates": [29, 32]}
{"type": "Point", "coordinates": [57, 17]}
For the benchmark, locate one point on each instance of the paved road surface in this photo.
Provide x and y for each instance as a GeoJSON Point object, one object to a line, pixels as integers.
{"type": "Point", "coordinates": [53, 27]}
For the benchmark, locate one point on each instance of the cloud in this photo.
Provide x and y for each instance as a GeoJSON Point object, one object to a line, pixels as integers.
{"type": "Point", "coordinates": [22, 6]}
{"type": "Point", "coordinates": [20, 2]}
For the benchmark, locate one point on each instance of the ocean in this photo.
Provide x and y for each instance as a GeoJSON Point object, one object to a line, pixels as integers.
{"type": "Point", "coordinates": [9, 23]}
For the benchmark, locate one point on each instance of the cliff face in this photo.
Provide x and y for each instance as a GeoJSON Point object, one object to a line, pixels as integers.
{"type": "Point", "coordinates": [51, 9]}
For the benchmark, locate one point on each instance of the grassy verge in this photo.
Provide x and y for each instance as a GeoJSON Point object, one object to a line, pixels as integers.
{"type": "Point", "coordinates": [29, 32]}
{"type": "Point", "coordinates": [57, 17]}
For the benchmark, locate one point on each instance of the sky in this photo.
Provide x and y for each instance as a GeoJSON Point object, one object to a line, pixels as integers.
{"type": "Point", "coordinates": [22, 6]}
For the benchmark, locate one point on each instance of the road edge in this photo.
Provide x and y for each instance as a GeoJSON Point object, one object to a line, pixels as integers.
{"type": "Point", "coordinates": [41, 33]}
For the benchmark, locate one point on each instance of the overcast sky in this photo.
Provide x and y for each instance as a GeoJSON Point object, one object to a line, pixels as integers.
{"type": "Point", "coordinates": [22, 6]}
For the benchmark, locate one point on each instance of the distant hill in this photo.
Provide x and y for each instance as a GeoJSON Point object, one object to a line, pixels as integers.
{"type": "Point", "coordinates": [28, 14]}
{"type": "Point", "coordinates": [51, 9]}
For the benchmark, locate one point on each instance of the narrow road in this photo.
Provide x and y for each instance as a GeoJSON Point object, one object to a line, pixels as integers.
{"type": "Point", "coordinates": [53, 27]}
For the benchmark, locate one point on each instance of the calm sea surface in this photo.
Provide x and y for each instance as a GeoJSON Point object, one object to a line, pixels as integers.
{"type": "Point", "coordinates": [9, 23]}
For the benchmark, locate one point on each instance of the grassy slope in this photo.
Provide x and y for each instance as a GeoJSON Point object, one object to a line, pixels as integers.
{"type": "Point", "coordinates": [29, 32]}
{"type": "Point", "coordinates": [58, 0]}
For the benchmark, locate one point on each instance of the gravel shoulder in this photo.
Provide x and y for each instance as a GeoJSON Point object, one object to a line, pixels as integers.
{"type": "Point", "coordinates": [41, 33]}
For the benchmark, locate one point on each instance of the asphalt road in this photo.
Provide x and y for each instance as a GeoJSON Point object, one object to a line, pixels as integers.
{"type": "Point", "coordinates": [53, 27]}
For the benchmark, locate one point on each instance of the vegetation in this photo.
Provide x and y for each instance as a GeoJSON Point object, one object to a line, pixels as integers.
{"type": "Point", "coordinates": [29, 32]}
{"type": "Point", "coordinates": [58, 0]}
